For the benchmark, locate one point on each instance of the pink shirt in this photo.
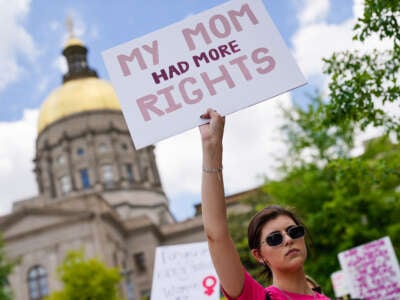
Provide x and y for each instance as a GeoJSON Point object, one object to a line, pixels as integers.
{"type": "Point", "coordinates": [252, 290]}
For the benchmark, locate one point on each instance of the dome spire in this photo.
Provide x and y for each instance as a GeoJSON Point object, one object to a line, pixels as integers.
{"type": "Point", "coordinates": [75, 52]}
{"type": "Point", "coordinates": [70, 27]}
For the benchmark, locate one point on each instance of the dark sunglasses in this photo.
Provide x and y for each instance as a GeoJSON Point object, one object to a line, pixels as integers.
{"type": "Point", "coordinates": [276, 238]}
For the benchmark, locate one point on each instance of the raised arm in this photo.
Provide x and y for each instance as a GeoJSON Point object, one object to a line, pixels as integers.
{"type": "Point", "coordinates": [225, 257]}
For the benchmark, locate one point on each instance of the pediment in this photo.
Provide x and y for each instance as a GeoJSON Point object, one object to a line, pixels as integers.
{"type": "Point", "coordinates": [26, 221]}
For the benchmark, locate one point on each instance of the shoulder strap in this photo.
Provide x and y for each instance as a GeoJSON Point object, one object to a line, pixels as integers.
{"type": "Point", "coordinates": [267, 296]}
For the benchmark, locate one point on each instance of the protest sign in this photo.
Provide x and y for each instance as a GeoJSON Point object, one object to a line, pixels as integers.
{"type": "Point", "coordinates": [372, 270]}
{"type": "Point", "coordinates": [184, 272]}
{"type": "Point", "coordinates": [340, 284]}
{"type": "Point", "coordinates": [226, 58]}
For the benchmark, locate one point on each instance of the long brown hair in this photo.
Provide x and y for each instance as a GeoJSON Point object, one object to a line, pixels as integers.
{"type": "Point", "coordinates": [260, 219]}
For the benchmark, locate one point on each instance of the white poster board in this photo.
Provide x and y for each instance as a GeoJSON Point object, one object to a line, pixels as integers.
{"type": "Point", "coordinates": [372, 270]}
{"type": "Point", "coordinates": [340, 284]}
{"type": "Point", "coordinates": [184, 272]}
{"type": "Point", "coordinates": [226, 58]}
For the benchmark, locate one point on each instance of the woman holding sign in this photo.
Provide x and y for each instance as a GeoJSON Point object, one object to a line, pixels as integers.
{"type": "Point", "coordinates": [275, 234]}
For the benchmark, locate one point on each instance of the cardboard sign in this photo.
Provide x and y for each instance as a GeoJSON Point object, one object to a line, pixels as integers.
{"type": "Point", "coordinates": [184, 272]}
{"type": "Point", "coordinates": [340, 284]}
{"type": "Point", "coordinates": [372, 270]}
{"type": "Point", "coordinates": [226, 58]}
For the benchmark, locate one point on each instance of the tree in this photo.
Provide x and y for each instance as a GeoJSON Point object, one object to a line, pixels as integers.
{"type": "Point", "coordinates": [238, 223]}
{"type": "Point", "coordinates": [86, 279]}
{"type": "Point", "coordinates": [344, 200]}
{"type": "Point", "coordinates": [348, 202]}
{"type": "Point", "coordinates": [311, 137]}
{"type": "Point", "coordinates": [363, 83]}
{"type": "Point", "coordinates": [5, 270]}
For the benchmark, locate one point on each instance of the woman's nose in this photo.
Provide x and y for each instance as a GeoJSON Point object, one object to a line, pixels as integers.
{"type": "Point", "coordinates": [287, 240]}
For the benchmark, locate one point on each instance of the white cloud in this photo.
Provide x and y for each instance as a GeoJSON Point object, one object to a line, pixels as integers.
{"type": "Point", "coordinates": [17, 140]}
{"type": "Point", "coordinates": [358, 8]}
{"type": "Point", "coordinates": [315, 39]}
{"type": "Point", "coordinates": [252, 139]}
{"type": "Point", "coordinates": [60, 64]}
{"type": "Point", "coordinates": [314, 10]}
{"type": "Point", "coordinates": [15, 40]}
{"type": "Point", "coordinates": [43, 85]}
{"type": "Point", "coordinates": [54, 25]}
{"type": "Point", "coordinates": [251, 144]}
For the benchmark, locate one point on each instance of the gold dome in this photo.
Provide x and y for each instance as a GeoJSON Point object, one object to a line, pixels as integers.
{"type": "Point", "coordinates": [77, 96]}
{"type": "Point", "coordinates": [73, 41]}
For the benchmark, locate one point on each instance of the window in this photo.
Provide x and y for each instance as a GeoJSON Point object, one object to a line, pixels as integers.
{"type": "Point", "coordinates": [85, 178]}
{"type": "Point", "coordinates": [124, 147]}
{"type": "Point", "coordinates": [129, 172]}
{"type": "Point", "coordinates": [115, 258]}
{"type": "Point", "coordinates": [37, 283]}
{"type": "Point", "coordinates": [80, 152]}
{"type": "Point", "coordinates": [65, 184]}
{"type": "Point", "coordinates": [108, 175]}
{"type": "Point", "coordinates": [140, 261]}
{"type": "Point", "coordinates": [61, 160]}
{"type": "Point", "coordinates": [103, 148]}
{"type": "Point", "coordinates": [145, 173]}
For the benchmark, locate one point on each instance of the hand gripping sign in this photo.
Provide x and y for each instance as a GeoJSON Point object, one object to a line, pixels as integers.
{"type": "Point", "coordinates": [227, 58]}
{"type": "Point", "coordinates": [184, 272]}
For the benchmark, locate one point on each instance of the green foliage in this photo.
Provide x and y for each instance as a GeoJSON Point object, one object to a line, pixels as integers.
{"type": "Point", "coordinates": [5, 270]}
{"type": "Point", "coordinates": [362, 83]}
{"type": "Point", "coordinates": [86, 279]}
{"type": "Point", "coordinates": [308, 130]}
{"type": "Point", "coordinates": [345, 201]}
{"type": "Point", "coordinates": [238, 223]}
{"type": "Point", "coordinates": [348, 202]}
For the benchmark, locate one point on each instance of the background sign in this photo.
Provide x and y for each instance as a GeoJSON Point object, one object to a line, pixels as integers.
{"type": "Point", "coordinates": [340, 284]}
{"type": "Point", "coordinates": [372, 270]}
{"type": "Point", "coordinates": [226, 58]}
{"type": "Point", "coordinates": [184, 272]}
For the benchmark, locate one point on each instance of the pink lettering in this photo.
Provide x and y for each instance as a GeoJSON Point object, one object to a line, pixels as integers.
{"type": "Point", "coordinates": [124, 59]}
{"type": "Point", "coordinates": [259, 57]}
{"type": "Point", "coordinates": [137, 54]}
{"type": "Point", "coordinates": [226, 28]}
{"type": "Point", "coordinates": [153, 50]}
{"type": "Point", "coordinates": [199, 29]}
{"type": "Point", "coordinates": [239, 61]}
{"type": "Point", "coordinates": [197, 93]}
{"type": "Point", "coordinates": [245, 9]}
{"type": "Point", "coordinates": [165, 100]}
{"type": "Point", "coordinates": [211, 82]}
{"type": "Point", "coordinates": [146, 104]}
{"type": "Point", "coordinates": [219, 26]}
{"type": "Point", "coordinates": [216, 53]}
{"type": "Point", "coordinates": [172, 106]}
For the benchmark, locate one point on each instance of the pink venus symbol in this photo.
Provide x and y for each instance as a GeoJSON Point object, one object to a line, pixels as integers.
{"type": "Point", "coordinates": [209, 282]}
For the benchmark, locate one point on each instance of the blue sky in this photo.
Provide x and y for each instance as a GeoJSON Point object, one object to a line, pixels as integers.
{"type": "Point", "coordinates": [31, 66]}
{"type": "Point", "coordinates": [104, 26]}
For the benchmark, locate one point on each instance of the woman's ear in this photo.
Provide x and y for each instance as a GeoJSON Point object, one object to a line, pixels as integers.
{"type": "Point", "coordinates": [257, 255]}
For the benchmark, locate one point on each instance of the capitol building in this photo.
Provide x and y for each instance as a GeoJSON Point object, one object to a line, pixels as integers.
{"type": "Point", "coordinates": [96, 191]}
